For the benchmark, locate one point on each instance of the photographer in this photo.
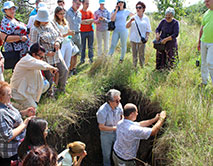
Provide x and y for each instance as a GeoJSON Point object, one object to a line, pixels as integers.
{"type": "Point", "coordinates": [139, 33]}
{"type": "Point", "coordinates": [119, 15]}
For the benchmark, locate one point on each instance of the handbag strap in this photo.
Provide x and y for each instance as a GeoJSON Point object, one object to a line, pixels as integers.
{"type": "Point", "coordinates": [138, 28]}
{"type": "Point", "coordinates": [5, 39]}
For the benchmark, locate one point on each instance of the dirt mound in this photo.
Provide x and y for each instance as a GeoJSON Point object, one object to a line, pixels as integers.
{"type": "Point", "coordinates": [87, 130]}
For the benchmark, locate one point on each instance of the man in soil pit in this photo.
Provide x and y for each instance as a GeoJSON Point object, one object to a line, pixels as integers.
{"type": "Point", "coordinates": [108, 116]}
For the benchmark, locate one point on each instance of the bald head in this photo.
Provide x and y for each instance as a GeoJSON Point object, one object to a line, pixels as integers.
{"type": "Point", "coordinates": [129, 108]}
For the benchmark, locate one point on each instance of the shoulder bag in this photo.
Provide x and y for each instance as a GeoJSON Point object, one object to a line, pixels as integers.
{"type": "Point", "coordinates": [143, 40]}
{"type": "Point", "coordinates": [158, 45]}
{"type": "Point", "coordinates": [10, 57]}
{"type": "Point", "coordinates": [111, 25]}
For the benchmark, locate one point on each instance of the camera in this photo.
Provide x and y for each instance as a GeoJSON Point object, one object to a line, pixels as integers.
{"type": "Point", "coordinates": [197, 63]}
{"type": "Point", "coordinates": [28, 31]}
{"type": "Point", "coordinates": [143, 40]}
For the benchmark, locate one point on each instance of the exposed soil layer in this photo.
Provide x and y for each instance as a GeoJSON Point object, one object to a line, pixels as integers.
{"type": "Point", "coordinates": [87, 130]}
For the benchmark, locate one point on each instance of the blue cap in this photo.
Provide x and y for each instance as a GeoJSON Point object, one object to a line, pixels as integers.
{"type": "Point", "coordinates": [8, 5]}
{"type": "Point", "coordinates": [102, 1]}
{"type": "Point", "coordinates": [121, 1]}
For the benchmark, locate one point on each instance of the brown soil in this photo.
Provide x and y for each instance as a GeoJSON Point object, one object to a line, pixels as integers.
{"type": "Point", "coordinates": [87, 130]}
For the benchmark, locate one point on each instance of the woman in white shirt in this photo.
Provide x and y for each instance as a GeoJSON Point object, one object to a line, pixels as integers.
{"type": "Point", "coordinates": [139, 33]}
{"type": "Point", "coordinates": [62, 24]}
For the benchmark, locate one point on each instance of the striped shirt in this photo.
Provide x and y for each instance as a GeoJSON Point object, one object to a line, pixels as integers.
{"type": "Point", "coordinates": [10, 118]}
{"type": "Point", "coordinates": [47, 36]}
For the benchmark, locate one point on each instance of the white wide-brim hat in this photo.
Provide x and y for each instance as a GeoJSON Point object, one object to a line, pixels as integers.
{"type": "Point", "coordinates": [8, 5]}
{"type": "Point", "coordinates": [42, 15]}
{"type": "Point", "coordinates": [41, 4]}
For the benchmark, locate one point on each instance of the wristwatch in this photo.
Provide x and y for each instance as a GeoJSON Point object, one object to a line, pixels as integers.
{"type": "Point", "coordinates": [20, 38]}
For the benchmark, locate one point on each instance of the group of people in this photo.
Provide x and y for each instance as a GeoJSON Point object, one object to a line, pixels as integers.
{"type": "Point", "coordinates": [52, 46]}
{"type": "Point", "coordinates": [24, 142]}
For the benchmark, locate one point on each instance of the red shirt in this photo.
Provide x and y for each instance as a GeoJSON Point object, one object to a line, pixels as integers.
{"type": "Point", "coordinates": [86, 15]}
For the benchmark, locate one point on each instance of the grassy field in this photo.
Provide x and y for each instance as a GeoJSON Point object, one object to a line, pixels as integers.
{"type": "Point", "coordinates": [187, 138]}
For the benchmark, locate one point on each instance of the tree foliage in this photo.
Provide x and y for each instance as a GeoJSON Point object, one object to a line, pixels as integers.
{"type": "Point", "coordinates": [195, 12]}
{"type": "Point", "coordinates": [162, 5]}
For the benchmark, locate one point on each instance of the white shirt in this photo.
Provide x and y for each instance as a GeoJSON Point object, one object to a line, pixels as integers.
{"type": "Point", "coordinates": [128, 136]}
{"type": "Point", "coordinates": [67, 158]}
{"type": "Point", "coordinates": [64, 29]}
{"type": "Point", "coordinates": [27, 79]}
{"type": "Point", "coordinates": [143, 25]}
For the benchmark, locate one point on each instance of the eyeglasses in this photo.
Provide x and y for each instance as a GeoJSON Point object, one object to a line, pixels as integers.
{"type": "Point", "coordinates": [117, 101]}
{"type": "Point", "coordinates": [138, 7]}
{"type": "Point", "coordinates": [39, 56]}
{"type": "Point", "coordinates": [61, 14]}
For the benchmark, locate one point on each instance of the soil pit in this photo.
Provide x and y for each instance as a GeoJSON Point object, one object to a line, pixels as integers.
{"type": "Point", "coordinates": [87, 130]}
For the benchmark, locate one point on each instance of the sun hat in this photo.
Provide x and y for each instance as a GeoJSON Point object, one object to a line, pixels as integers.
{"type": "Point", "coordinates": [41, 4]}
{"type": "Point", "coordinates": [42, 15]}
{"type": "Point", "coordinates": [8, 5]}
{"type": "Point", "coordinates": [101, 1]}
{"type": "Point", "coordinates": [121, 1]}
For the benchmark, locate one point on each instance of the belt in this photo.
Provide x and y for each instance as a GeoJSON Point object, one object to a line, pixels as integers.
{"type": "Point", "coordinates": [122, 158]}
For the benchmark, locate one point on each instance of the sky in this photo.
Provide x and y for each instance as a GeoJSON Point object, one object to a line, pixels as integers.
{"type": "Point", "coordinates": [110, 4]}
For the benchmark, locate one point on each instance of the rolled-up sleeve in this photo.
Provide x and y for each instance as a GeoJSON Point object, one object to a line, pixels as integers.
{"type": "Point", "coordinates": [101, 116]}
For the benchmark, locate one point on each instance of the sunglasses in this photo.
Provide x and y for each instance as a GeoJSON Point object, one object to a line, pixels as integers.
{"type": "Point", "coordinates": [121, 2]}
{"type": "Point", "coordinates": [139, 7]}
{"type": "Point", "coordinates": [61, 14]}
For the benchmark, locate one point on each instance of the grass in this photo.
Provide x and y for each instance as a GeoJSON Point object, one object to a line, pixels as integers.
{"type": "Point", "coordinates": [187, 138]}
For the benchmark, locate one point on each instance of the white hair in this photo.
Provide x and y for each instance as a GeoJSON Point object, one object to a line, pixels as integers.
{"type": "Point", "coordinates": [112, 93]}
{"type": "Point", "coordinates": [170, 10]}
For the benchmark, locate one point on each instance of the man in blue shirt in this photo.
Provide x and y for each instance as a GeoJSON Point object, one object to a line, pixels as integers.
{"type": "Point", "coordinates": [73, 16]}
{"type": "Point", "coordinates": [101, 19]}
{"type": "Point", "coordinates": [108, 116]}
{"type": "Point", "coordinates": [34, 11]}
{"type": "Point", "coordinates": [129, 134]}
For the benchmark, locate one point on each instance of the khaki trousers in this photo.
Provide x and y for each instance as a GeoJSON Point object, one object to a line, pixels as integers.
{"type": "Point", "coordinates": [138, 50]}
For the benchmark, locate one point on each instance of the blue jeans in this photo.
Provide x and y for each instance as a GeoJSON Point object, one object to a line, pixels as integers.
{"type": "Point", "coordinates": [123, 35]}
{"type": "Point", "coordinates": [107, 141]}
{"type": "Point", "coordinates": [90, 37]}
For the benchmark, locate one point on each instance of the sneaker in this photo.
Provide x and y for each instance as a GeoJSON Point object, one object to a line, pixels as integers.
{"type": "Point", "coordinates": [70, 73]}
{"type": "Point", "coordinates": [121, 61]}
{"type": "Point", "coordinates": [90, 61]}
{"type": "Point", "coordinates": [74, 71]}
{"type": "Point", "coordinates": [82, 62]}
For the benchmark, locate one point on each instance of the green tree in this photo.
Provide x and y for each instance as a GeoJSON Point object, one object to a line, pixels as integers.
{"type": "Point", "coordinates": [162, 5]}
{"type": "Point", "coordinates": [195, 12]}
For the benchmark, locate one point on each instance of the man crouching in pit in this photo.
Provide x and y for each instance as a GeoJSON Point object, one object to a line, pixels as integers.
{"type": "Point", "coordinates": [108, 116]}
{"type": "Point", "coordinates": [129, 134]}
